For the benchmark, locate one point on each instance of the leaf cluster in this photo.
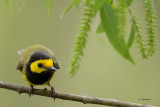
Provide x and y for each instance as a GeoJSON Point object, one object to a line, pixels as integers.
{"type": "Point", "coordinates": [113, 24]}
{"type": "Point", "coordinates": [82, 35]}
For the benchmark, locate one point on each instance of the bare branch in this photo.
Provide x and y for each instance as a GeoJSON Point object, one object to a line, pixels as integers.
{"type": "Point", "coordinates": [72, 97]}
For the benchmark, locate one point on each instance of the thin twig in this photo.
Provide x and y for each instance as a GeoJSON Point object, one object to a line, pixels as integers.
{"type": "Point", "coordinates": [72, 97]}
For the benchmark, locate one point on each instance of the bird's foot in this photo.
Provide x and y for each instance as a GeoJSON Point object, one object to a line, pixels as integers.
{"type": "Point", "coordinates": [31, 90]}
{"type": "Point", "coordinates": [53, 92]}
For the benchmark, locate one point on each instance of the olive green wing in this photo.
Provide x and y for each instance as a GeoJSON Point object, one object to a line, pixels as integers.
{"type": "Point", "coordinates": [20, 62]}
{"type": "Point", "coordinates": [55, 60]}
{"type": "Point", "coordinates": [56, 63]}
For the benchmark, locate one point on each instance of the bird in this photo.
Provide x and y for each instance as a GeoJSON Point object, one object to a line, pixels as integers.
{"type": "Point", "coordinates": [37, 65]}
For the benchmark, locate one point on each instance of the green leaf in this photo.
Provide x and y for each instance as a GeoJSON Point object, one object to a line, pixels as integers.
{"type": "Point", "coordinates": [132, 35]}
{"type": "Point", "coordinates": [97, 5]}
{"type": "Point", "coordinates": [100, 28]}
{"type": "Point", "coordinates": [8, 3]}
{"type": "Point", "coordinates": [110, 25]}
{"type": "Point", "coordinates": [48, 7]}
{"type": "Point", "coordinates": [129, 2]}
{"type": "Point", "coordinates": [74, 2]}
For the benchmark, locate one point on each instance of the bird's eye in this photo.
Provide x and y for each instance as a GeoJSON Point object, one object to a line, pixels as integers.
{"type": "Point", "coordinates": [39, 65]}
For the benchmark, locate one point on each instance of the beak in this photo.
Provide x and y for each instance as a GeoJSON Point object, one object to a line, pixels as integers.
{"type": "Point", "coordinates": [51, 69]}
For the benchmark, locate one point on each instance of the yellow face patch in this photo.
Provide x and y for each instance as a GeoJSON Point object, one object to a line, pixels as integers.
{"type": "Point", "coordinates": [45, 63]}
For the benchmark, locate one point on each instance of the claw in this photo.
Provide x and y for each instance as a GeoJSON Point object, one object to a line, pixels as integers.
{"type": "Point", "coordinates": [52, 94]}
{"type": "Point", "coordinates": [31, 90]}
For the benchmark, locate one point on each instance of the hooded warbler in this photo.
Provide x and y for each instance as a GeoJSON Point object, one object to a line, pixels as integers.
{"type": "Point", "coordinates": [37, 65]}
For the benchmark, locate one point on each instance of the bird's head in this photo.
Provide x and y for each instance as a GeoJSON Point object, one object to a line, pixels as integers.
{"type": "Point", "coordinates": [41, 61]}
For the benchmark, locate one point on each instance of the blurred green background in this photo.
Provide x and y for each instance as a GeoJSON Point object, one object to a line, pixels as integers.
{"type": "Point", "coordinates": [103, 72]}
